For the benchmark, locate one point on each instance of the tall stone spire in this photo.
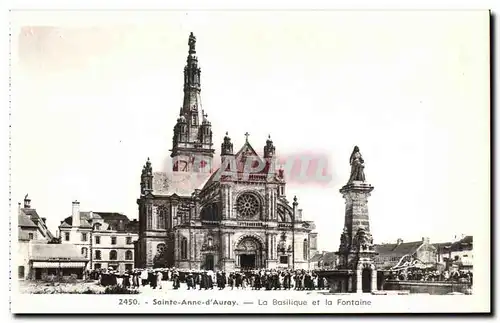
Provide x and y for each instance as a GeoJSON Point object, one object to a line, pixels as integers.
{"type": "Point", "coordinates": [192, 141]}
{"type": "Point", "coordinates": [192, 87]}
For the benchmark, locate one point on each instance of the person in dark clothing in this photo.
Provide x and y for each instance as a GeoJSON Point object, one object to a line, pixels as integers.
{"type": "Point", "coordinates": [126, 280]}
{"type": "Point", "coordinates": [224, 280]}
{"type": "Point", "coordinates": [257, 284]}
{"type": "Point", "coordinates": [287, 281]}
{"type": "Point", "coordinates": [238, 280]}
{"type": "Point", "coordinates": [176, 281]}
{"type": "Point", "coordinates": [219, 280]}
{"type": "Point", "coordinates": [153, 281]}
{"type": "Point", "coordinates": [230, 280]}
{"type": "Point", "coordinates": [190, 281]}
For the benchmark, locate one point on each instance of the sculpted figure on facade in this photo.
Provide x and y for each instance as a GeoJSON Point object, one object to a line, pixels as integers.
{"type": "Point", "coordinates": [363, 240]}
{"type": "Point", "coordinates": [344, 239]}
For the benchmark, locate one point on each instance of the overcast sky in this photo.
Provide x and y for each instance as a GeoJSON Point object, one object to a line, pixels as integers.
{"type": "Point", "coordinates": [94, 96]}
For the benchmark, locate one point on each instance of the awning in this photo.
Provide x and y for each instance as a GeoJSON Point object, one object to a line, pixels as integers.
{"type": "Point", "coordinates": [56, 264]}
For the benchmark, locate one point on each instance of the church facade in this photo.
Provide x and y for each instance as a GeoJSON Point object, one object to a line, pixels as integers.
{"type": "Point", "coordinates": [234, 217]}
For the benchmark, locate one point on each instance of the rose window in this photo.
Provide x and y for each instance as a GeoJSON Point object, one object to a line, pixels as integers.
{"type": "Point", "coordinates": [247, 205]}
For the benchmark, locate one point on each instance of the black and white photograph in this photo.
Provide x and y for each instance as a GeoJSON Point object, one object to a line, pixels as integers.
{"type": "Point", "coordinates": [250, 161]}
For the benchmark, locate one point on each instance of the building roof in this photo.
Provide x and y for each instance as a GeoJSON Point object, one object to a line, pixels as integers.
{"type": "Point", "coordinates": [29, 218]}
{"type": "Point", "coordinates": [241, 157]}
{"type": "Point", "coordinates": [43, 252]}
{"type": "Point", "coordinates": [317, 257]}
{"type": "Point", "coordinates": [25, 221]}
{"type": "Point", "coordinates": [466, 243]}
{"type": "Point", "coordinates": [116, 221]}
{"type": "Point", "coordinates": [398, 249]}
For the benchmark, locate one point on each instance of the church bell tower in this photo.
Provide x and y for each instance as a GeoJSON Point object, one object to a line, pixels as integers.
{"type": "Point", "coordinates": [192, 142]}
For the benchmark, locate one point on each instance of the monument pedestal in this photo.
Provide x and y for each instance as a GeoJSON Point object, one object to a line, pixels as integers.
{"type": "Point", "coordinates": [356, 270]}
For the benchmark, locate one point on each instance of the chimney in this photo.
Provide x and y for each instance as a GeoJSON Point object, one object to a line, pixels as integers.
{"type": "Point", "coordinates": [425, 240]}
{"type": "Point", "coordinates": [27, 202]}
{"type": "Point", "coordinates": [76, 214]}
{"type": "Point", "coordinates": [44, 220]}
{"type": "Point", "coordinates": [19, 208]}
{"type": "Point", "coordinates": [399, 241]}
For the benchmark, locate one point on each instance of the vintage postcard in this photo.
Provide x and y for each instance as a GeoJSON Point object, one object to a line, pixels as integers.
{"type": "Point", "coordinates": [250, 161]}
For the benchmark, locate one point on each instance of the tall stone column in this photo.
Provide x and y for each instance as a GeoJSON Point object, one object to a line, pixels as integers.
{"type": "Point", "coordinates": [374, 279]}
{"type": "Point", "coordinates": [173, 212]}
{"type": "Point", "coordinates": [356, 243]}
{"type": "Point", "coordinates": [224, 199]}
{"type": "Point", "coordinates": [359, 280]}
{"type": "Point", "coordinates": [230, 202]}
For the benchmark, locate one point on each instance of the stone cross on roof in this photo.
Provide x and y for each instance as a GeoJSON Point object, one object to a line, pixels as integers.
{"type": "Point", "coordinates": [246, 135]}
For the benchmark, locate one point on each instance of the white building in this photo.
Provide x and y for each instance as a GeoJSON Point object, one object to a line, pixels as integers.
{"type": "Point", "coordinates": [105, 239]}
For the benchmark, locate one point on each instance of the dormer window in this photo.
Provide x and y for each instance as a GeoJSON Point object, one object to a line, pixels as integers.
{"type": "Point", "coordinates": [97, 226]}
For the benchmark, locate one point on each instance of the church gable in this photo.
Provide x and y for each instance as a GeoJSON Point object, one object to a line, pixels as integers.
{"type": "Point", "coordinates": [247, 152]}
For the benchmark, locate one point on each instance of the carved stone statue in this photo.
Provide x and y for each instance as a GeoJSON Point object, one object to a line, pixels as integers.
{"type": "Point", "coordinates": [344, 239]}
{"type": "Point", "coordinates": [357, 166]}
{"type": "Point", "coordinates": [192, 43]}
{"type": "Point", "coordinates": [363, 241]}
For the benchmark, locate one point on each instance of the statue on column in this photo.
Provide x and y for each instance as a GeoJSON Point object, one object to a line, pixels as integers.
{"type": "Point", "coordinates": [357, 166]}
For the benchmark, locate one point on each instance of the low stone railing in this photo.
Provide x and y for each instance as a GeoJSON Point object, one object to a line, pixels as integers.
{"type": "Point", "coordinates": [210, 222]}
{"type": "Point", "coordinates": [250, 224]}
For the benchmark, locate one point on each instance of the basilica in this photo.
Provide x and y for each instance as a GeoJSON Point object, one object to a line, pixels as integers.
{"type": "Point", "coordinates": [196, 216]}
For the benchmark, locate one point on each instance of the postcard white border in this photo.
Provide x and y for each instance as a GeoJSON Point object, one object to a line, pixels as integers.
{"type": "Point", "coordinates": [479, 302]}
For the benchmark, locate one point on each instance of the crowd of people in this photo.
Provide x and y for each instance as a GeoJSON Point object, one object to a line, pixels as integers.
{"type": "Point", "coordinates": [432, 275]}
{"type": "Point", "coordinates": [219, 280]}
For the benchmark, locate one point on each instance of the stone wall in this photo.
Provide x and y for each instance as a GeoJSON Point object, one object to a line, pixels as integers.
{"type": "Point", "coordinates": [433, 288]}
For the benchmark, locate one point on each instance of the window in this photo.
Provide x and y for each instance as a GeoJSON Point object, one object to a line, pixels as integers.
{"type": "Point", "coordinates": [85, 252]}
{"type": "Point", "coordinates": [30, 236]}
{"type": "Point", "coordinates": [128, 255]}
{"type": "Point", "coordinates": [129, 240]}
{"type": "Point", "coordinates": [283, 259]}
{"type": "Point", "coordinates": [66, 236]}
{"type": "Point", "coordinates": [97, 266]}
{"type": "Point", "coordinates": [149, 217]}
{"type": "Point", "coordinates": [97, 240]}
{"type": "Point", "coordinates": [97, 226]}
{"type": "Point", "coordinates": [128, 267]}
{"type": "Point", "coordinates": [113, 255]}
{"type": "Point", "coordinates": [305, 247]}
{"type": "Point", "coordinates": [20, 272]}
{"type": "Point", "coordinates": [184, 248]}
{"type": "Point", "coordinates": [113, 240]}
{"type": "Point", "coordinates": [210, 242]}
{"type": "Point", "coordinates": [84, 237]}
{"type": "Point", "coordinates": [161, 218]}
{"type": "Point", "coordinates": [98, 254]}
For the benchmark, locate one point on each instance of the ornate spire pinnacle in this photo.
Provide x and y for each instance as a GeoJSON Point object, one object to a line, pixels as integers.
{"type": "Point", "coordinates": [192, 44]}
{"type": "Point", "coordinates": [269, 148]}
{"type": "Point", "coordinates": [227, 146]}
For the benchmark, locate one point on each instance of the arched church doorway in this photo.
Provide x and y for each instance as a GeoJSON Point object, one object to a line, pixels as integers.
{"type": "Point", "coordinates": [249, 253]}
{"type": "Point", "coordinates": [209, 262]}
